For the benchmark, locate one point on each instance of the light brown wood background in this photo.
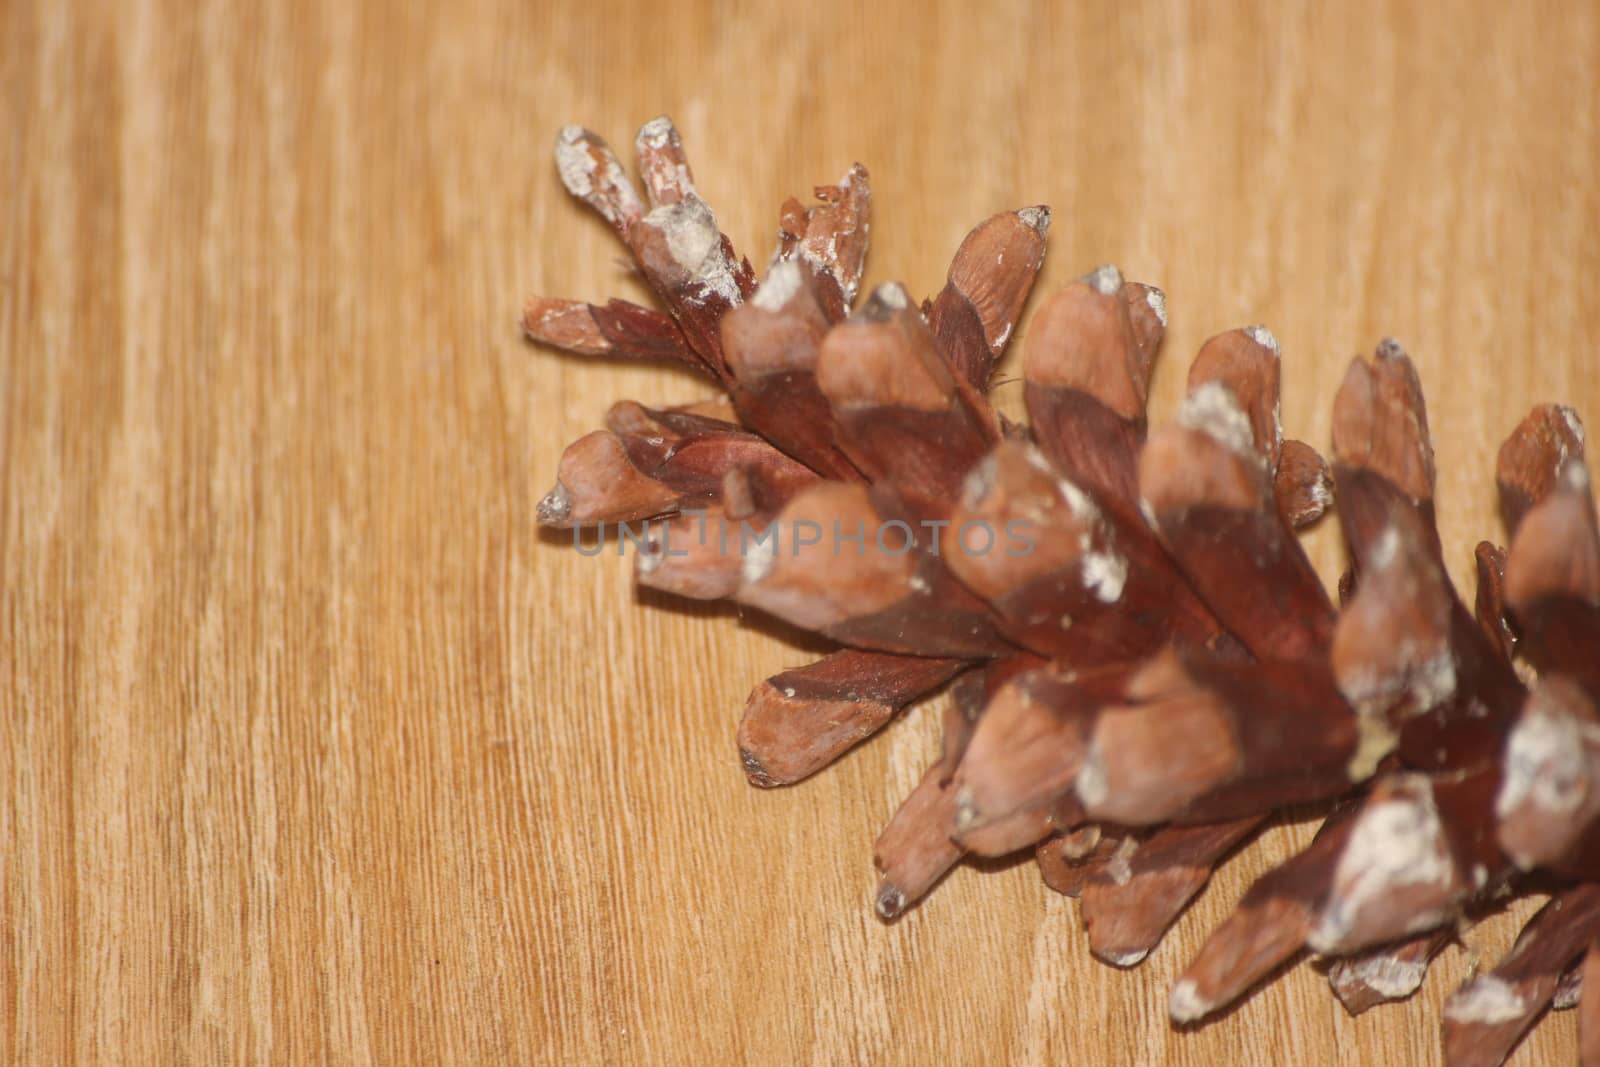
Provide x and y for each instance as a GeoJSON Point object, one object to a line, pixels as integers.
{"type": "Point", "coordinates": [312, 749]}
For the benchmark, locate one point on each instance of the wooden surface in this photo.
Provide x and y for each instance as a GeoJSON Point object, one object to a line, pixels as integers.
{"type": "Point", "coordinates": [313, 749]}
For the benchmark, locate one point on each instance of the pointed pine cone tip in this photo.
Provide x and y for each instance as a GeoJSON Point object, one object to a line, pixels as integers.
{"type": "Point", "coordinates": [555, 507]}
{"type": "Point", "coordinates": [1391, 350]}
{"type": "Point", "coordinates": [857, 173]}
{"type": "Point", "coordinates": [1123, 960]}
{"type": "Point", "coordinates": [1129, 907]}
{"type": "Point", "coordinates": [1037, 217]}
{"type": "Point", "coordinates": [597, 481]}
{"type": "Point", "coordinates": [1570, 988]}
{"type": "Point", "coordinates": [1185, 1004]}
{"type": "Point", "coordinates": [779, 331]}
{"type": "Point", "coordinates": [565, 324]}
{"type": "Point", "coordinates": [687, 253]}
{"type": "Point", "coordinates": [662, 163]}
{"type": "Point", "coordinates": [991, 274]}
{"type": "Point", "coordinates": [884, 356]}
{"type": "Point", "coordinates": [1105, 279]}
{"type": "Point", "coordinates": [571, 139]}
{"type": "Point", "coordinates": [675, 558]}
{"type": "Point", "coordinates": [800, 720]}
{"type": "Point", "coordinates": [573, 160]}
{"type": "Point", "coordinates": [1263, 933]}
{"type": "Point", "coordinates": [591, 172]}
{"type": "Point", "coordinates": [982, 479]}
{"type": "Point", "coordinates": [659, 132]}
{"type": "Point", "coordinates": [648, 559]}
{"type": "Point", "coordinates": [967, 812]}
{"type": "Point", "coordinates": [1148, 761]}
{"type": "Point", "coordinates": [754, 772]}
{"type": "Point", "coordinates": [1022, 755]}
{"type": "Point", "coordinates": [1265, 338]}
{"type": "Point", "coordinates": [833, 236]}
{"type": "Point", "coordinates": [806, 585]}
{"type": "Point", "coordinates": [759, 560]}
{"type": "Point", "coordinates": [1488, 1015]}
{"type": "Point", "coordinates": [1092, 786]}
{"type": "Point", "coordinates": [1014, 488]}
{"type": "Point", "coordinates": [1157, 299]}
{"type": "Point", "coordinates": [1485, 1000]}
{"type": "Point", "coordinates": [889, 901]}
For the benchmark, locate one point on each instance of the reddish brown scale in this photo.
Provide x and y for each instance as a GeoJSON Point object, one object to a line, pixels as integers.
{"type": "Point", "coordinates": [912, 425]}
{"type": "Point", "coordinates": [1070, 581]}
{"type": "Point", "coordinates": [1087, 375]}
{"type": "Point", "coordinates": [1533, 460]}
{"type": "Point", "coordinates": [1130, 902]}
{"type": "Point", "coordinates": [993, 271]}
{"type": "Point", "coordinates": [797, 722]}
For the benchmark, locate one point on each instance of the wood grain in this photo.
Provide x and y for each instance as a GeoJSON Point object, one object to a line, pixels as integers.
{"type": "Point", "coordinates": [315, 751]}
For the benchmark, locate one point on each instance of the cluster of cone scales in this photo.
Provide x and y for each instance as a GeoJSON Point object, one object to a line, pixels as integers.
{"type": "Point", "coordinates": [1144, 667]}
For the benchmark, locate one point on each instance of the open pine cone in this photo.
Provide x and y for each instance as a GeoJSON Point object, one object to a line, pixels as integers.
{"type": "Point", "coordinates": [1145, 665]}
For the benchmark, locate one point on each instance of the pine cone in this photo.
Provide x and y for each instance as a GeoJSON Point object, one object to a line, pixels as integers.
{"type": "Point", "coordinates": [1144, 665]}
